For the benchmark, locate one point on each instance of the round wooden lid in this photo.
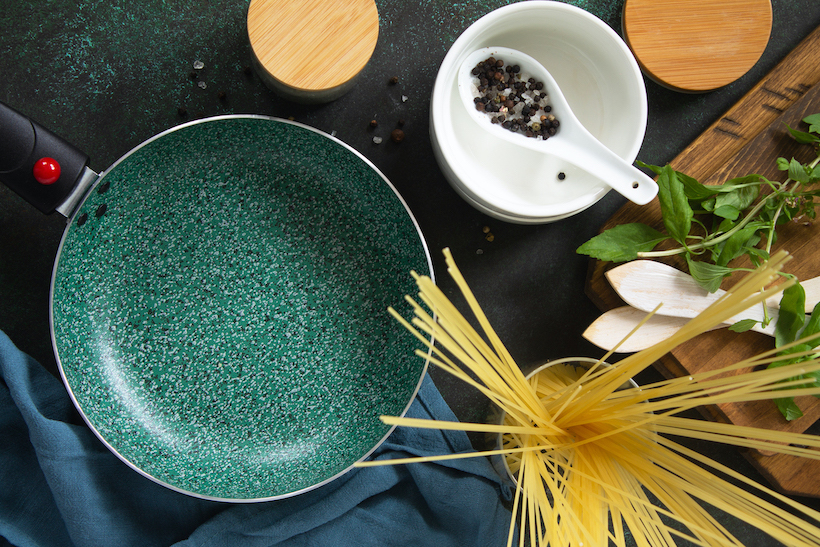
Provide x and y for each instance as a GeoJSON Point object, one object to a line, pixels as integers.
{"type": "Point", "coordinates": [696, 46]}
{"type": "Point", "coordinates": [312, 45]}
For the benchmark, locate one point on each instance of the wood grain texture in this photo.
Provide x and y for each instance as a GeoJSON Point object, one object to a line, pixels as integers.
{"type": "Point", "coordinates": [747, 139]}
{"type": "Point", "coordinates": [697, 46]}
{"type": "Point", "coordinates": [313, 44]}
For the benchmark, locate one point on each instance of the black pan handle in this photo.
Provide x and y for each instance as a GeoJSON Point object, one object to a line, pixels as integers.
{"type": "Point", "coordinates": [37, 164]}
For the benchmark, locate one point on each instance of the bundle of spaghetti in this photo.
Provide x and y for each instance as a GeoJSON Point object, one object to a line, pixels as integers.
{"type": "Point", "coordinates": [590, 452]}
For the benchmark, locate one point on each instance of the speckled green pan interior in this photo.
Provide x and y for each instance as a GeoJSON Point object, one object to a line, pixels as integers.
{"type": "Point", "coordinates": [219, 308]}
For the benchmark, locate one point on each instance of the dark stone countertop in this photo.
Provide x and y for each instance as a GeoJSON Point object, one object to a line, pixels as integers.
{"type": "Point", "coordinates": [107, 75]}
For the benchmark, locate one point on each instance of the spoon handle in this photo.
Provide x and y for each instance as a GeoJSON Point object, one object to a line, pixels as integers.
{"type": "Point", "coordinates": [584, 151]}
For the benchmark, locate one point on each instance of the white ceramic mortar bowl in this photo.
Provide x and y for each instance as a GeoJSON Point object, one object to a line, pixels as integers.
{"type": "Point", "coordinates": [602, 83]}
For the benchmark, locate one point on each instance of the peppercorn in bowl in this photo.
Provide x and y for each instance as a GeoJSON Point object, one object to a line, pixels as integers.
{"type": "Point", "coordinates": [601, 81]}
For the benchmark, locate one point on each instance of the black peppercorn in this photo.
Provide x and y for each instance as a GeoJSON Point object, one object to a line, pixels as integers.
{"type": "Point", "coordinates": [508, 99]}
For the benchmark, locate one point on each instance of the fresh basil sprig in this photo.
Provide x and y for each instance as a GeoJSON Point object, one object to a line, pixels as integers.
{"type": "Point", "coordinates": [713, 225]}
{"type": "Point", "coordinates": [791, 326]}
{"type": "Point", "coordinates": [717, 223]}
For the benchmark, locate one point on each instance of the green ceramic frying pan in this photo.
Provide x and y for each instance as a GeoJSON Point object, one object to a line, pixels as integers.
{"type": "Point", "coordinates": [219, 304]}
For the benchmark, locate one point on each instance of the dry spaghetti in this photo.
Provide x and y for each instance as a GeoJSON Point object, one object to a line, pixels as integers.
{"type": "Point", "coordinates": [592, 458]}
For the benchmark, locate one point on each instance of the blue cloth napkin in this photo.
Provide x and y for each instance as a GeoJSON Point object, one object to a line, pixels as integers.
{"type": "Point", "coordinates": [60, 486]}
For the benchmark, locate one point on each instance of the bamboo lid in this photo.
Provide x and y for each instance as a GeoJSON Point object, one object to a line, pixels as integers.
{"type": "Point", "coordinates": [696, 46]}
{"type": "Point", "coordinates": [311, 50]}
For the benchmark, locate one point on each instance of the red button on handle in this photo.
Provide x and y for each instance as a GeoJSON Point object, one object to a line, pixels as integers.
{"type": "Point", "coordinates": [46, 171]}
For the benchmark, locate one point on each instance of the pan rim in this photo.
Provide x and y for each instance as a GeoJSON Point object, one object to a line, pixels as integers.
{"type": "Point", "coordinates": [70, 221]}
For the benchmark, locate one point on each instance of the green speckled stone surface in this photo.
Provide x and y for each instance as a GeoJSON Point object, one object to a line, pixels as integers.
{"type": "Point", "coordinates": [219, 308]}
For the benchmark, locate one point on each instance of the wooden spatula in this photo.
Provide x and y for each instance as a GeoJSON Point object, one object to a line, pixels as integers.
{"type": "Point", "coordinates": [643, 284]}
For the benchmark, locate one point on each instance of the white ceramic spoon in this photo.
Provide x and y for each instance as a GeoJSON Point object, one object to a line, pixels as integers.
{"type": "Point", "coordinates": [572, 143]}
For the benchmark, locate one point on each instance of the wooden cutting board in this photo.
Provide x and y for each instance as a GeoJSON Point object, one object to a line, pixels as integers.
{"type": "Point", "coordinates": [747, 139]}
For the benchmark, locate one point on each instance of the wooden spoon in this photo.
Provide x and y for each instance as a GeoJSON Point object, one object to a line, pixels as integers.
{"type": "Point", "coordinates": [612, 328]}
{"type": "Point", "coordinates": [643, 284]}
{"type": "Point", "coordinates": [646, 283]}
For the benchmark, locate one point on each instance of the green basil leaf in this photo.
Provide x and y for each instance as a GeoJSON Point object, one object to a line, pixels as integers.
{"type": "Point", "coordinates": [738, 243]}
{"type": "Point", "coordinates": [694, 190]}
{"type": "Point", "coordinates": [799, 348]}
{"type": "Point", "coordinates": [792, 315]}
{"type": "Point", "coordinates": [812, 328]}
{"type": "Point", "coordinates": [788, 408]}
{"type": "Point", "coordinates": [622, 242]}
{"type": "Point", "coordinates": [803, 137]}
{"type": "Point", "coordinates": [725, 225]}
{"type": "Point", "coordinates": [743, 325]}
{"type": "Point", "coordinates": [727, 211]}
{"type": "Point", "coordinates": [798, 171]}
{"type": "Point", "coordinates": [782, 164]}
{"type": "Point", "coordinates": [814, 122]}
{"type": "Point", "coordinates": [709, 276]}
{"type": "Point", "coordinates": [757, 256]}
{"type": "Point", "coordinates": [709, 204]}
{"type": "Point", "coordinates": [654, 168]}
{"type": "Point", "coordinates": [739, 193]}
{"type": "Point", "coordinates": [814, 173]}
{"type": "Point", "coordinates": [675, 208]}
